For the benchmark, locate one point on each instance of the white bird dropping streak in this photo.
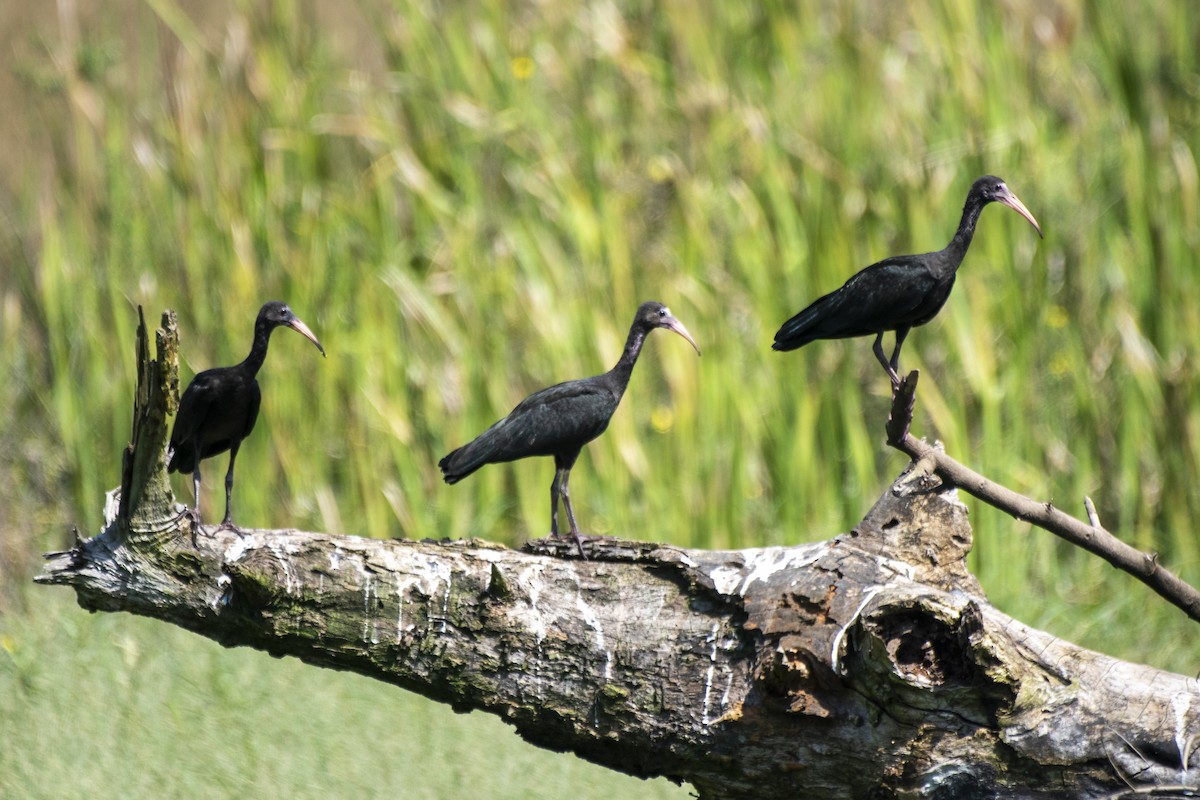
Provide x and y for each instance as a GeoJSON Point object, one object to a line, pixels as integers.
{"type": "Point", "coordinates": [219, 595]}
{"type": "Point", "coordinates": [291, 583]}
{"type": "Point", "coordinates": [537, 669]}
{"type": "Point", "coordinates": [1181, 704]}
{"type": "Point", "coordinates": [836, 650]}
{"type": "Point", "coordinates": [370, 624]}
{"type": "Point", "coordinates": [399, 612]}
{"type": "Point", "coordinates": [530, 616]}
{"type": "Point", "coordinates": [236, 549]}
{"type": "Point", "coordinates": [445, 605]}
{"type": "Point", "coordinates": [590, 618]}
{"type": "Point", "coordinates": [712, 665]}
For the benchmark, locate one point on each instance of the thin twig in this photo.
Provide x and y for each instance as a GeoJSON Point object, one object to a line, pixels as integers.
{"type": "Point", "coordinates": [1091, 537]}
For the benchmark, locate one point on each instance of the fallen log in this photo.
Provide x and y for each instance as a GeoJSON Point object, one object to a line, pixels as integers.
{"type": "Point", "coordinates": [869, 665]}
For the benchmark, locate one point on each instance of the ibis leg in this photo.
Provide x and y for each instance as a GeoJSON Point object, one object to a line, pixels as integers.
{"type": "Point", "coordinates": [554, 491]}
{"type": "Point", "coordinates": [878, 348]}
{"type": "Point", "coordinates": [566, 496]}
{"type": "Point", "coordinates": [196, 489]}
{"type": "Point", "coordinates": [900, 334]}
{"type": "Point", "coordinates": [193, 513]}
{"type": "Point", "coordinates": [227, 523]}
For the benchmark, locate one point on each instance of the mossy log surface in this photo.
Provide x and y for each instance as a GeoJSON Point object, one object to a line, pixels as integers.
{"type": "Point", "coordinates": [866, 666]}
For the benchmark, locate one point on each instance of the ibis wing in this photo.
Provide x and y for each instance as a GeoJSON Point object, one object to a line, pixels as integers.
{"type": "Point", "coordinates": [558, 419]}
{"type": "Point", "coordinates": [254, 401]}
{"type": "Point", "coordinates": [566, 415]}
{"type": "Point", "coordinates": [887, 295]}
{"type": "Point", "coordinates": [194, 407]}
{"type": "Point", "coordinates": [218, 409]}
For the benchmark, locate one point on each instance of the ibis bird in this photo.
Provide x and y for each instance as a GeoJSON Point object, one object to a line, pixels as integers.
{"type": "Point", "coordinates": [897, 293]}
{"type": "Point", "coordinates": [220, 406]}
{"type": "Point", "coordinates": [560, 420]}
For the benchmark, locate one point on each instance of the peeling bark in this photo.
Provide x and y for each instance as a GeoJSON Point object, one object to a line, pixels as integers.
{"type": "Point", "coordinates": [870, 665]}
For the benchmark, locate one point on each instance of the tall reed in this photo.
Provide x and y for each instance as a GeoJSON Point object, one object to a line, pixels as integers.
{"type": "Point", "coordinates": [476, 208]}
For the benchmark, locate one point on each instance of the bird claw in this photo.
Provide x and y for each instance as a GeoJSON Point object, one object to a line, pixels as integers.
{"type": "Point", "coordinates": [579, 544]}
{"type": "Point", "coordinates": [192, 515]}
{"type": "Point", "coordinates": [227, 525]}
{"type": "Point", "coordinates": [578, 538]}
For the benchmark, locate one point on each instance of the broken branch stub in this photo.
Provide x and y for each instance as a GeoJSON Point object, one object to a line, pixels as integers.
{"type": "Point", "coordinates": [147, 504]}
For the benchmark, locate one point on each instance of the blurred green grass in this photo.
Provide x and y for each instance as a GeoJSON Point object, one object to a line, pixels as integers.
{"type": "Point", "coordinates": [119, 706]}
{"type": "Point", "coordinates": [478, 215]}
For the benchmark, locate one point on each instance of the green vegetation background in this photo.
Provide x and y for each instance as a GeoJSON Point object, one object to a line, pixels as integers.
{"type": "Point", "coordinates": [466, 203]}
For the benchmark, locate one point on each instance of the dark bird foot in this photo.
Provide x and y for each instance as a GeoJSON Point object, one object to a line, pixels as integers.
{"type": "Point", "coordinates": [227, 525]}
{"type": "Point", "coordinates": [579, 544]}
{"type": "Point", "coordinates": [561, 539]}
{"type": "Point", "coordinates": [192, 515]}
{"type": "Point", "coordinates": [904, 399]}
{"type": "Point", "coordinates": [578, 538]}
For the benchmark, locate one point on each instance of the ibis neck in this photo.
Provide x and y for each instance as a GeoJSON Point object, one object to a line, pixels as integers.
{"type": "Point", "coordinates": [629, 357]}
{"type": "Point", "coordinates": [258, 351]}
{"type": "Point", "coordinates": [966, 231]}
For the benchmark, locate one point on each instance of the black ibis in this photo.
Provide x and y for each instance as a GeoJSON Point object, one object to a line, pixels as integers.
{"type": "Point", "coordinates": [897, 293]}
{"type": "Point", "coordinates": [220, 406]}
{"type": "Point", "coordinates": [560, 420]}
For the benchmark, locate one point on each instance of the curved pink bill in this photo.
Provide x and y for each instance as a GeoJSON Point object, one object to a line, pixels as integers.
{"type": "Point", "coordinates": [677, 326]}
{"type": "Point", "coordinates": [299, 327]}
{"type": "Point", "coordinates": [1012, 201]}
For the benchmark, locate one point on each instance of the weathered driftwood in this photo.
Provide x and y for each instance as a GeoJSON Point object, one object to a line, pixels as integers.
{"type": "Point", "coordinates": [870, 665]}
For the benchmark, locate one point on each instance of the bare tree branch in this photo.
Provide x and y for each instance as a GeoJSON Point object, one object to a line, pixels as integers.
{"type": "Point", "coordinates": [932, 459]}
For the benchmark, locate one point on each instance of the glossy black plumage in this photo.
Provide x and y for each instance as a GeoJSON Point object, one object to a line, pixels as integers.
{"type": "Point", "coordinates": [558, 421]}
{"type": "Point", "coordinates": [220, 406]}
{"type": "Point", "coordinates": [898, 293]}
